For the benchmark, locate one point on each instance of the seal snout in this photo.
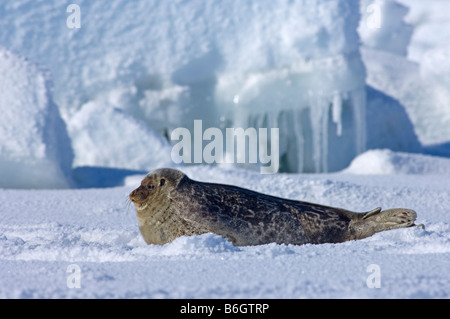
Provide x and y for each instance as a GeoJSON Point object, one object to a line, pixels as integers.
{"type": "Point", "coordinates": [139, 194]}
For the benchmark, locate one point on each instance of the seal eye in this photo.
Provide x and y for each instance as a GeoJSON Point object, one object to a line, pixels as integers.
{"type": "Point", "coordinates": [151, 186]}
{"type": "Point", "coordinates": [162, 182]}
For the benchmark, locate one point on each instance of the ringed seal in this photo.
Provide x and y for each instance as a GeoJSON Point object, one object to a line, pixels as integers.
{"type": "Point", "coordinates": [169, 204]}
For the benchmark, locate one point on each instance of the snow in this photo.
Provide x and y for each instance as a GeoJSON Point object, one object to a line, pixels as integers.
{"type": "Point", "coordinates": [393, 163]}
{"type": "Point", "coordinates": [86, 113]}
{"type": "Point", "coordinates": [44, 232]}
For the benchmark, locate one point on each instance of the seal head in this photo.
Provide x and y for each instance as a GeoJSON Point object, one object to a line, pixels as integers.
{"type": "Point", "coordinates": [158, 222]}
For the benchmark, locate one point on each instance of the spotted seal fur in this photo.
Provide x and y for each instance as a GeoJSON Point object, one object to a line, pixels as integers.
{"type": "Point", "coordinates": [169, 204]}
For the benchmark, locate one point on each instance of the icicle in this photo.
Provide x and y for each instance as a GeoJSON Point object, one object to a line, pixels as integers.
{"type": "Point", "coordinates": [319, 107]}
{"type": "Point", "coordinates": [272, 119]}
{"type": "Point", "coordinates": [358, 100]}
{"type": "Point", "coordinates": [241, 117]}
{"type": "Point", "coordinates": [299, 139]}
{"type": "Point", "coordinates": [325, 116]}
{"type": "Point", "coordinates": [337, 112]}
{"type": "Point", "coordinates": [263, 122]}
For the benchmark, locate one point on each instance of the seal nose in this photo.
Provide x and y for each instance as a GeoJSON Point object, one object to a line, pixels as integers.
{"type": "Point", "coordinates": [139, 194]}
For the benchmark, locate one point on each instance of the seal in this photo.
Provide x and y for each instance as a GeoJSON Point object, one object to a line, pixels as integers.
{"type": "Point", "coordinates": [169, 204]}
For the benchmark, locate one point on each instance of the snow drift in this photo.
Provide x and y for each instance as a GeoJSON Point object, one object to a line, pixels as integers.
{"type": "Point", "coordinates": [387, 162]}
{"type": "Point", "coordinates": [35, 150]}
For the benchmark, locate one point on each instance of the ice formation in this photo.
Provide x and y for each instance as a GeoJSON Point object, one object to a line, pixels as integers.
{"type": "Point", "coordinates": [108, 137]}
{"type": "Point", "coordinates": [388, 124]}
{"type": "Point", "coordinates": [35, 149]}
{"type": "Point", "coordinates": [383, 27]}
{"type": "Point", "coordinates": [308, 75]}
{"type": "Point", "coordinates": [295, 65]}
{"type": "Point", "coordinates": [406, 57]}
{"type": "Point", "coordinates": [431, 26]}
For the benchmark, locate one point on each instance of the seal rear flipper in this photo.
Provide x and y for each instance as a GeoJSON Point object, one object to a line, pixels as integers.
{"type": "Point", "coordinates": [397, 216]}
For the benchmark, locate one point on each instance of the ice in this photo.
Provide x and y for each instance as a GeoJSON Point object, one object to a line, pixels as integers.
{"type": "Point", "coordinates": [388, 124]}
{"type": "Point", "coordinates": [108, 137]}
{"type": "Point", "coordinates": [436, 66]}
{"type": "Point", "coordinates": [431, 25]}
{"type": "Point", "coordinates": [224, 63]}
{"type": "Point", "coordinates": [337, 112]}
{"type": "Point", "coordinates": [383, 26]}
{"type": "Point", "coordinates": [416, 77]}
{"type": "Point", "coordinates": [274, 98]}
{"type": "Point", "coordinates": [295, 65]}
{"type": "Point", "coordinates": [298, 96]}
{"type": "Point", "coordinates": [35, 150]}
{"type": "Point", "coordinates": [416, 87]}
{"type": "Point", "coordinates": [393, 163]}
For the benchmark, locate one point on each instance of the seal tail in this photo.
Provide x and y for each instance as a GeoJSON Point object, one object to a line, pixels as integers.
{"type": "Point", "coordinates": [391, 218]}
{"type": "Point", "coordinates": [407, 214]}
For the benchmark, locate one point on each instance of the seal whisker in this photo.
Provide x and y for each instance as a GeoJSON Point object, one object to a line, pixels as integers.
{"type": "Point", "coordinates": [127, 203]}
